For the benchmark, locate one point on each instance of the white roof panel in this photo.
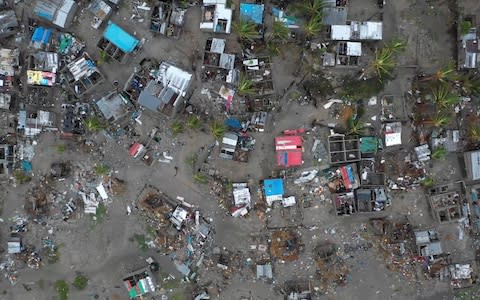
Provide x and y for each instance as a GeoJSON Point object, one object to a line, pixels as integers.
{"type": "Point", "coordinates": [341, 32]}
{"type": "Point", "coordinates": [354, 49]}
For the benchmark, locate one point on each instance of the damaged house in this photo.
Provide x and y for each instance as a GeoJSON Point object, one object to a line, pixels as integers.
{"type": "Point", "coordinates": [42, 68]}
{"type": "Point", "coordinates": [253, 11]}
{"type": "Point", "coordinates": [343, 149]}
{"type": "Point", "coordinates": [7, 159]}
{"type": "Point", "coordinates": [259, 71]}
{"type": "Point", "coordinates": [82, 75]}
{"type": "Point", "coordinates": [357, 31]}
{"type": "Point", "coordinates": [229, 145]}
{"type": "Point", "coordinates": [139, 284]}
{"type": "Point", "coordinates": [8, 23]}
{"type": "Point", "coordinates": [468, 44]}
{"type": "Point", "coordinates": [32, 124]}
{"type": "Point", "coordinates": [218, 65]}
{"type": "Point", "coordinates": [101, 11]}
{"type": "Point", "coordinates": [447, 202]}
{"type": "Point", "coordinates": [167, 90]}
{"type": "Point", "coordinates": [114, 107]}
{"type": "Point", "coordinates": [216, 16]}
{"type": "Point", "coordinates": [9, 63]}
{"type": "Point", "coordinates": [167, 19]}
{"type": "Point", "coordinates": [241, 200]}
{"type": "Point", "coordinates": [117, 44]}
{"type": "Point", "coordinates": [58, 12]}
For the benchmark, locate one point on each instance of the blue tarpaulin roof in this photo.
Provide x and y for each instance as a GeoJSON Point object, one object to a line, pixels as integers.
{"type": "Point", "coordinates": [27, 166]}
{"type": "Point", "coordinates": [120, 38]}
{"type": "Point", "coordinates": [252, 12]}
{"type": "Point", "coordinates": [42, 35]}
{"type": "Point", "coordinates": [272, 187]}
{"type": "Point", "coordinates": [233, 123]}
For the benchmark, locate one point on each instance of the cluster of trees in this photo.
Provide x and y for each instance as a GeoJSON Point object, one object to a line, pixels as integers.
{"type": "Point", "coordinates": [311, 10]}
{"type": "Point", "coordinates": [217, 129]}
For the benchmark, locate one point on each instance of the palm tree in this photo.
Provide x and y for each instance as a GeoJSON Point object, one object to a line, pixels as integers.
{"type": "Point", "coordinates": [93, 124]}
{"type": "Point", "coordinates": [310, 8]}
{"type": "Point", "coordinates": [177, 127]}
{"type": "Point", "coordinates": [397, 45]}
{"type": "Point", "coordinates": [470, 84]}
{"type": "Point", "coordinates": [273, 48]}
{"type": "Point", "coordinates": [246, 30]}
{"type": "Point", "coordinates": [443, 96]}
{"type": "Point", "coordinates": [444, 74]}
{"type": "Point", "coordinates": [217, 129]}
{"type": "Point", "coordinates": [355, 127]}
{"type": "Point", "coordinates": [440, 119]}
{"type": "Point", "coordinates": [384, 62]}
{"type": "Point", "coordinates": [313, 27]}
{"type": "Point", "coordinates": [475, 133]}
{"type": "Point", "coordinates": [279, 31]}
{"type": "Point", "coordinates": [193, 122]}
{"type": "Point", "coordinates": [245, 86]}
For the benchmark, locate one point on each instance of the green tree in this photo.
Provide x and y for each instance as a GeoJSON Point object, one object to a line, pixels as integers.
{"type": "Point", "coordinates": [447, 73]}
{"type": "Point", "coordinates": [80, 282]}
{"type": "Point", "coordinates": [443, 96]}
{"type": "Point", "coordinates": [355, 127]}
{"type": "Point", "coordinates": [439, 153]}
{"type": "Point", "coordinates": [273, 48]}
{"type": "Point", "coordinates": [200, 178]}
{"type": "Point", "coordinates": [384, 63]}
{"type": "Point", "coordinates": [217, 130]}
{"type": "Point", "coordinates": [470, 84]}
{"type": "Point", "coordinates": [397, 45]}
{"type": "Point", "coordinates": [102, 169]}
{"type": "Point", "coordinates": [21, 177]}
{"type": "Point", "coordinates": [104, 57]}
{"type": "Point", "coordinates": [313, 27]}
{"type": "Point", "coordinates": [279, 31]}
{"type": "Point", "coordinates": [440, 119]}
{"type": "Point", "coordinates": [310, 8]}
{"type": "Point", "coordinates": [245, 86]}
{"type": "Point", "coordinates": [61, 286]}
{"type": "Point", "coordinates": [246, 30]}
{"type": "Point", "coordinates": [177, 127]}
{"type": "Point", "coordinates": [60, 148]}
{"type": "Point", "coordinates": [428, 182]}
{"type": "Point", "coordinates": [465, 27]}
{"type": "Point", "coordinates": [474, 133]}
{"type": "Point", "coordinates": [193, 122]}
{"type": "Point", "coordinates": [93, 124]}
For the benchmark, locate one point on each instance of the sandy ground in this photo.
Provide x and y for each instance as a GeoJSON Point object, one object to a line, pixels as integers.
{"type": "Point", "coordinates": [104, 252]}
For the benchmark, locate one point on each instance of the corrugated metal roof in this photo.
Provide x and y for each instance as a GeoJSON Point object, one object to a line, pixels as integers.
{"type": "Point", "coordinates": [334, 16]}
{"type": "Point", "coordinates": [56, 11]}
{"type": "Point", "coordinates": [475, 164]}
{"type": "Point", "coordinates": [8, 21]}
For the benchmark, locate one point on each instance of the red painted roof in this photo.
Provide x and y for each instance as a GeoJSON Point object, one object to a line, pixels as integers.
{"type": "Point", "coordinates": [288, 142]}
{"type": "Point", "coordinates": [289, 158]}
{"type": "Point", "coordinates": [289, 150]}
{"type": "Point", "coordinates": [134, 149]}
